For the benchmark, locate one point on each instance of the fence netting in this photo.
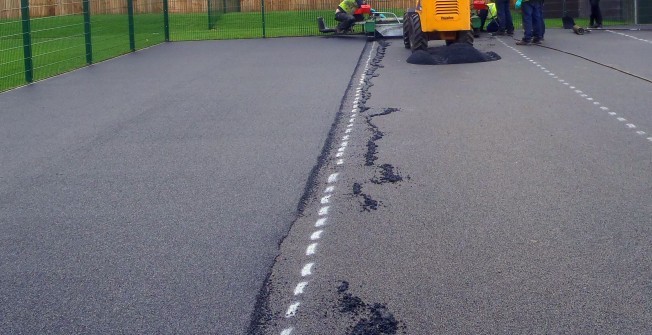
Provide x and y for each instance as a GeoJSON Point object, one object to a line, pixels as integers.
{"type": "Point", "coordinates": [42, 38]}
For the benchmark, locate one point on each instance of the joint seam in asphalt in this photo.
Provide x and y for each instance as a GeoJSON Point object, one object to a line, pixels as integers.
{"type": "Point", "coordinates": [325, 201]}
{"type": "Point", "coordinates": [630, 125]}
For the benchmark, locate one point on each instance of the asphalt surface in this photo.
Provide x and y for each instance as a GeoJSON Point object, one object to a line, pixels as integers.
{"type": "Point", "coordinates": [148, 194]}
{"type": "Point", "coordinates": [507, 197]}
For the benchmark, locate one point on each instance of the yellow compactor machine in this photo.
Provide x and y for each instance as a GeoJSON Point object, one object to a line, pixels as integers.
{"type": "Point", "coordinates": [448, 20]}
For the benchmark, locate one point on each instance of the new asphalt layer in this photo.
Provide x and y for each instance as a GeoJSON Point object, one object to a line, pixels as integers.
{"type": "Point", "coordinates": [327, 186]}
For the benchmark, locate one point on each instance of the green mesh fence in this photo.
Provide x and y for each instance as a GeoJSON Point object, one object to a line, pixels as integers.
{"type": "Point", "coordinates": [43, 38]}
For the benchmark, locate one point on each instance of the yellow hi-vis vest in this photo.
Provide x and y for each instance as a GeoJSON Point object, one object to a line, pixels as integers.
{"type": "Point", "coordinates": [349, 6]}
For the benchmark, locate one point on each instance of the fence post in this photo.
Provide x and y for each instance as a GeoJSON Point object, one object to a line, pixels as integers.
{"type": "Point", "coordinates": [87, 32]}
{"type": "Point", "coordinates": [262, 8]}
{"type": "Point", "coordinates": [166, 20]}
{"type": "Point", "coordinates": [27, 41]}
{"type": "Point", "coordinates": [130, 13]}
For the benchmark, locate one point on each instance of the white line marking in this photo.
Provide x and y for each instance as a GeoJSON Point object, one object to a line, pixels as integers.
{"type": "Point", "coordinates": [613, 113]}
{"type": "Point", "coordinates": [345, 137]}
{"type": "Point", "coordinates": [287, 331]}
{"type": "Point", "coordinates": [299, 289]}
{"type": "Point", "coordinates": [344, 144]}
{"type": "Point", "coordinates": [640, 132]}
{"type": "Point", "coordinates": [324, 210]}
{"type": "Point", "coordinates": [321, 222]}
{"type": "Point", "coordinates": [292, 310]}
{"type": "Point", "coordinates": [307, 269]}
{"type": "Point", "coordinates": [311, 249]}
{"type": "Point", "coordinates": [339, 154]}
{"type": "Point", "coordinates": [325, 199]}
{"type": "Point", "coordinates": [348, 130]}
{"type": "Point", "coordinates": [341, 149]}
{"type": "Point", "coordinates": [604, 108]}
{"type": "Point", "coordinates": [332, 178]}
{"type": "Point", "coordinates": [631, 126]}
{"type": "Point", "coordinates": [649, 139]}
{"type": "Point", "coordinates": [621, 119]}
{"type": "Point", "coordinates": [340, 162]}
{"type": "Point", "coordinates": [316, 235]}
{"type": "Point", "coordinates": [329, 189]}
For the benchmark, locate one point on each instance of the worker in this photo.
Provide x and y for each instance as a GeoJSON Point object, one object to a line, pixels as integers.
{"type": "Point", "coordinates": [491, 14]}
{"type": "Point", "coordinates": [596, 14]}
{"type": "Point", "coordinates": [344, 14]}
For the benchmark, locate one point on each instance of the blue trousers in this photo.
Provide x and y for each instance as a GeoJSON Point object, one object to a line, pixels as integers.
{"type": "Point", "coordinates": [504, 16]}
{"type": "Point", "coordinates": [532, 20]}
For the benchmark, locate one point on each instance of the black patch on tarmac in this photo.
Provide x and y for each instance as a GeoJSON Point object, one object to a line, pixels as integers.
{"type": "Point", "coordinates": [373, 319]}
{"type": "Point", "coordinates": [457, 53]}
{"type": "Point", "coordinates": [370, 156]}
{"type": "Point", "coordinates": [368, 203]}
{"type": "Point", "coordinates": [387, 175]}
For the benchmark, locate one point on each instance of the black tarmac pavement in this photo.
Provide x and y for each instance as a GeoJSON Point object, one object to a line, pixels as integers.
{"type": "Point", "coordinates": [518, 200]}
{"type": "Point", "coordinates": [148, 194]}
{"type": "Point", "coordinates": [326, 186]}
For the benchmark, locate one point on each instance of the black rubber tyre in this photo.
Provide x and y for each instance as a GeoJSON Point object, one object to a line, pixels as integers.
{"type": "Point", "coordinates": [418, 40]}
{"type": "Point", "coordinates": [465, 37]}
{"type": "Point", "coordinates": [406, 29]}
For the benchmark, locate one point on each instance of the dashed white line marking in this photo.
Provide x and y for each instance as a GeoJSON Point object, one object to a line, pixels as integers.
{"type": "Point", "coordinates": [300, 286]}
{"type": "Point", "coordinates": [332, 178]}
{"type": "Point", "coordinates": [321, 222]}
{"type": "Point", "coordinates": [325, 199]}
{"type": "Point", "coordinates": [316, 235]}
{"type": "Point", "coordinates": [323, 211]}
{"type": "Point", "coordinates": [307, 269]}
{"type": "Point", "coordinates": [578, 91]}
{"type": "Point", "coordinates": [292, 310]}
{"type": "Point", "coordinates": [311, 249]}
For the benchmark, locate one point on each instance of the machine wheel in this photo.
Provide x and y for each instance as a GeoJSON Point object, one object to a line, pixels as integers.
{"type": "Point", "coordinates": [465, 37]}
{"type": "Point", "coordinates": [406, 29]}
{"type": "Point", "coordinates": [418, 40]}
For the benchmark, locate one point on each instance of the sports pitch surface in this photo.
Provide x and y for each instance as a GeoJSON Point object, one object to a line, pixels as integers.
{"type": "Point", "coordinates": [155, 192]}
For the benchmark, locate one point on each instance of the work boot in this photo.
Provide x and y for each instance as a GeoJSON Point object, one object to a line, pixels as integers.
{"type": "Point", "coordinates": [536, 41]}
{"type": "Point", "coordinates": [524, 42]}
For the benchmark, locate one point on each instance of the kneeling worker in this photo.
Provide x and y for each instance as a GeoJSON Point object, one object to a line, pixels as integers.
{"type": "Point", "coordinates": [344, 14]}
